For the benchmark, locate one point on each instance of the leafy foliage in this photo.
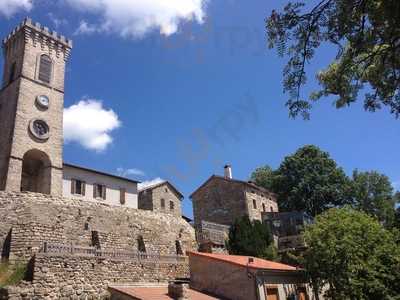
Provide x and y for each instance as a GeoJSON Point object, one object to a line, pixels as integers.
{"type": "Point", "coordinates": [373, 193]}
{"type": "Point", "coordinates": [310, 181]}
{"type": "Point", "coordinates": [11, 275]}
{"type": "Point", "coordinates": [263, 176]}
{"type": "Point", "coordinates": [352, 253]}
{"type": "Point", "coordinates": [251, 239]}
{"type": "Point", "coordinates": [366, 34]}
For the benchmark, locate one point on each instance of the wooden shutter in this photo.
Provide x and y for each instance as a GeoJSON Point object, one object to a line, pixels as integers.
{"type": "Point", "coordinates": [73, 185]}
{"type": "Point", "coordinates": [122, 196]}
{"type": "Point", "coordinates": [104, 190]}
{"type": "Point", "coordinates": [45, 68]}
{"type": "Point", "coordinates": [94, 191]}
{"type": "Point", "coordinates": [83, 188]}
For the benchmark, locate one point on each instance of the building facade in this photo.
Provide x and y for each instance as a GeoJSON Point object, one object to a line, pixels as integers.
{"type": "Point", "coordinates": [222, 199]}
{"type": "Point", "coordinates": [92, 185]}
{"type": "Point", "coordinates": [162, 197]}
{"type": "Point", "coordinates": [246, 278]}
{"type": "Point", "coordinates": [31, 109]}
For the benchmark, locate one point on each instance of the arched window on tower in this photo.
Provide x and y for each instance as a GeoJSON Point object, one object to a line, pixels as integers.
{"type": "Point", "coordinates": [45, 68]}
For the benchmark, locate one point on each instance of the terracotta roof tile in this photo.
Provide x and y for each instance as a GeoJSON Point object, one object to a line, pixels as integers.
{"type": "Point", "coordinates": [157, 293]}
{"type": "Point", "coordinates": [257, 263]}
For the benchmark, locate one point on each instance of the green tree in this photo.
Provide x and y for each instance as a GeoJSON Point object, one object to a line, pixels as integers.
{"type": "Point", "coordinates": [310, 181]}
{"type": "Point", "coordinates": [251, 239]}
{"type": "Point", "coordinates": [366, 34]}
{"type": "Point", "coordinates": [263, 177]}
{"type": "Point", "coordinates": [372, 192]}
{"type": "Point", "coordinates": [353, 256]}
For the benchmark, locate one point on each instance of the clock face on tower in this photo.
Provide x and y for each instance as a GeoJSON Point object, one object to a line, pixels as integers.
{"type": "Point", "coordinates": [43, 101]}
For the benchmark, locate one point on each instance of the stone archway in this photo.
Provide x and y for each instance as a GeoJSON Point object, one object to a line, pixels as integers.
{"type": "Point", "coordinates": [36, 172]}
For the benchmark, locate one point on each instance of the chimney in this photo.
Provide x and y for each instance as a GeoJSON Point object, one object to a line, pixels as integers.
{"type": "Point", "coordinates": [228, 172]}
{"type": "Point", "coordinates": [178, 290]}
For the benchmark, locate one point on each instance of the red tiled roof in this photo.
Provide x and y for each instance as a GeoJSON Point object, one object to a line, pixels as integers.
{"type": "Point", "coordinates": [243, 261]}
{"type": "Point", "coordinates": [157, 293]}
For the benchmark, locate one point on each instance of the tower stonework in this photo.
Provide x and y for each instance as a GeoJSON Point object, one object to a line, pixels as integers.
{"type": "Point", "coordinates": [31, 109]}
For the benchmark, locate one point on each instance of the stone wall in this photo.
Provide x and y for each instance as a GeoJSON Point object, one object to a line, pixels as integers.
{"type": "Point", "coordinates": [33, 219]}
{"type": "Point", "coordinates": [221, 279]}
{"type": "Point", "coordinates": [74, 277]}
{"type": "Point", "coordinates": [36, 218]}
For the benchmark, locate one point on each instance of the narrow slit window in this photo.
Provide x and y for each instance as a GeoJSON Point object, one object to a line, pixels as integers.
{"type": "Point", "coordinates": [45, 67]}
{"type": "Point", "coordinates": [178, 247]}
{"type": "Point", "coordinates": [163, 203]}
{"type": "Point", "coordinates": [95, 239]}
{"type": "Point", "coordinates": [171, 205]}
{"type": "Point", "coordinates": [254, 204]}
{"type": "Point", "coordinates": [141, 244]}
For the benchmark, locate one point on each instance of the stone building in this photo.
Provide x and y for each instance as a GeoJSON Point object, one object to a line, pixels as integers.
{"type": "Point", "coordinates": [162, 197]}
{"type": "Point", "coordinates": [221, 200]}
{"type": "Point", "coordinates": [31, 108]}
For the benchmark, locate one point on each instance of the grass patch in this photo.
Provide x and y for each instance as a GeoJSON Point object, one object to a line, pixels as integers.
{"type": "Point", "coordinates": [11, 275]}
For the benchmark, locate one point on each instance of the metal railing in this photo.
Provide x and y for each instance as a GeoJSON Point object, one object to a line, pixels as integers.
{"type": "Point", "coordinates": [71, 249]}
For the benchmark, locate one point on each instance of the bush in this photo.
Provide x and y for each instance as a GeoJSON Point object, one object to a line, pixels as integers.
{"type": "Point", "coordinates": [11, 275]}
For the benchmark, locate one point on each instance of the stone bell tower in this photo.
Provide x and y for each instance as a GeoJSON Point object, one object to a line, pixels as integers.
{"type": "Point", "coordinates": [31, 109]}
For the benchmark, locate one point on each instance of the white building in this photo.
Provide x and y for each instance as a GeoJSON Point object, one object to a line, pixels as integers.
{"type": "Point", "coordinates": [92, 185]}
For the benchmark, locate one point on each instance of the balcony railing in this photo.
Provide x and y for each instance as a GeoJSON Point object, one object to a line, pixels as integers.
{"type": "Point", "coordinates": [71, 249]}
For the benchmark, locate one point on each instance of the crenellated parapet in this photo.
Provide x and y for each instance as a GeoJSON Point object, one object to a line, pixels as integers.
{"type": "Point", "coordinates": [39, 36]}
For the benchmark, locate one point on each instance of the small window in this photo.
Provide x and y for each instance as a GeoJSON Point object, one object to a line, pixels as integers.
{"type": "Point", "coordinates": [166, 190]}
{"type": "Point", "coordinates": [162, 203]}
{"type": "Point", "coordinates": [99, 191]}
{"type": "Point", "coordinates": [171, 205]}
{"type": "Point", "coordinates": [254, 204]}
{"type": "Point", "coordinates": [272, 209]}
{"type": "Point", "coordinates": [178, 247]}
{"type": "Point", "coordinates": [45, 67]}
{"type": "Point", "coordinates": [122, 196]}
{"type": "Point", "coordinates": [264, 209]}
{"type": "Point", "coordinates": [78, 187]}
{"type": "Point", "coordinates": [141, 244]}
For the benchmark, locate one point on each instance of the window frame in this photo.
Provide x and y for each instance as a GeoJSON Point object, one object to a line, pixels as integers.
{"type": "Point", "coordinates": [103, 194]}
{"type": "Point", "coordinates": [39, 60]}
{"type": "Point", "coordinates": [74, 187]}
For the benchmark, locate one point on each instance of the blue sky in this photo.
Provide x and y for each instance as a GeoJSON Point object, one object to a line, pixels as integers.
{"type": "Point", "coordinates": [191, 90]}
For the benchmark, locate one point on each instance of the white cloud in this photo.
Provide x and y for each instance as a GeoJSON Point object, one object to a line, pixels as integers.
{"type": "Point", "coordinates": [135, 18]}
{"type": "Point", "coordinates": [130, 172]}
{"type": "Point", "coordinates": [86, 28]}
{"type": "Point", "coordinates": [148, 183]}
{"type": "Point", "coordinates": [56, 20]}
{"type": "Point", "coordinates": [89, 124]}
{"type": "Point", "coordinates": [9, 7]}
